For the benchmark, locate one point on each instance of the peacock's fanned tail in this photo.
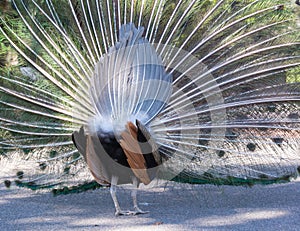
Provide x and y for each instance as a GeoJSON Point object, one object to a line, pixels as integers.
{"type": "Point", "coordinates": [225, 108]}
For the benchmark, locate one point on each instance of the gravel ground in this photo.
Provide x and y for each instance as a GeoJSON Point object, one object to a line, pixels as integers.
{"type": "Point", "coordinates": [175, 207]}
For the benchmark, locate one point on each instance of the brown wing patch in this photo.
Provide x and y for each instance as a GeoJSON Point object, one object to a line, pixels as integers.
{"type": "Point", "coordinates": [95, 165]}
{"type": "Point", "coordinates": [154, 149]}
{"type": "Point", "coordinates": [133, 152]}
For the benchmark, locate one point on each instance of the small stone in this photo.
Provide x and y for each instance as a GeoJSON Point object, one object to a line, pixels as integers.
{"type": "Point", "coordinates": [7, 183]}
{"type": "Point", "coordinates": [53, 153]}
{"type": "Point", "coordinates": [67, 170]}
{"type": "Point", "coordinates": [20, 174]}
{"type": "Point", "coordinates": [221, 153]}
{"type": "Point", "coordinates": [251, 147]}
{"type": "Point", "coordinates": [278, 140]}
{"type": "Point", "coordinates": [42, 166]}
{"type": "Point", "coordinates": [158, 223]}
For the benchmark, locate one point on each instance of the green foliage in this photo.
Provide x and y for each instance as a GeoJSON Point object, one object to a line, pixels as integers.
{"type": "Point", "coordinates": [293, 75]}
{"type": "Point", "coordinates": [10, 68]}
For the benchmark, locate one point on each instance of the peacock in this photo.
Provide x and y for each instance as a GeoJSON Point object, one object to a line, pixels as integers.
{"type": "Point", "coordinates": [112, 92]}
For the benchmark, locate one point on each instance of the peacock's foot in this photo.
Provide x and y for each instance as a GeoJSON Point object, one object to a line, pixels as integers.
{"type": "Point", "coordinates": [124, 213]}
{"type": "Point", "coordinates": [136, 211]}
{"type": "Point", "coordinates": [139, 211]}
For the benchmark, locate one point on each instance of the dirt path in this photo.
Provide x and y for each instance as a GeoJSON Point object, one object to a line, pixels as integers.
{"type": "Point", "coordinates": [176, 207]}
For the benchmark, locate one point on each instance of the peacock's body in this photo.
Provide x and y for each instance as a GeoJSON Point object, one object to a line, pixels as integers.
{"type": "Point", "coordinates": [207, 91]}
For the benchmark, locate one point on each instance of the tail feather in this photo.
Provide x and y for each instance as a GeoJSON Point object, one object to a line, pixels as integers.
{"type": "Point", "coordinates": [216, 100]}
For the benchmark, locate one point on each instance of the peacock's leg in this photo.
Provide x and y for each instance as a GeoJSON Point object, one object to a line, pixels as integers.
{"type": "Point", "coordinates": [113, 190]}
{"type": "Point", "coordinates": [137, 210]}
